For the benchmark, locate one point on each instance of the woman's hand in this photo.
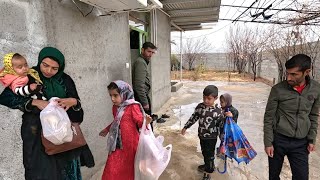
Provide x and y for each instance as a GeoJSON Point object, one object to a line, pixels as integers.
{"type": "Point", "coordinates": [104, 132]}
{"type": "Point", "coordinates": [66, 103]}
{"type": "Point", "coordinates": [41, 104]}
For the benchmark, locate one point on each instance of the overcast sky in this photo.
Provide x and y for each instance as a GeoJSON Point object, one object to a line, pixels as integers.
{"type": "Point", "coordinates": [216, 35]}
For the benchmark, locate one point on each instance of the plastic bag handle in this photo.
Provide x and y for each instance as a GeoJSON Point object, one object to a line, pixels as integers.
{"type": "Point", "coordinates": [169, 150]}
{"type": "Point", "coordinates": [168, 146]}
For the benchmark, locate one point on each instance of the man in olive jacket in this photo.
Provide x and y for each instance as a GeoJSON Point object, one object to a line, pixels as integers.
{"type": "Point", "coordinates": [141, 79]}
{"type": "Point", "coordinates": [291, 119]}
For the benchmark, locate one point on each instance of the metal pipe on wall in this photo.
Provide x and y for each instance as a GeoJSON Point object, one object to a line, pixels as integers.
{"type": "Point", "coordinates": [153, 36]}
{"type": "Point", "coordinates": [180, 56]}
{"type": "Point", "coordinates": [156, 26]}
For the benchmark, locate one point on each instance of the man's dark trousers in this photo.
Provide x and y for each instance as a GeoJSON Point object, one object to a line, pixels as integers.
{"type": "Point", "coordinates": [146, 111]}
{"type": "Point", "coordinates": [297, 153]}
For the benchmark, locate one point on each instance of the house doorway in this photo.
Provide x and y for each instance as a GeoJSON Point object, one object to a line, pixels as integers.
{"type": "Point", "coordinates": [137, 38]}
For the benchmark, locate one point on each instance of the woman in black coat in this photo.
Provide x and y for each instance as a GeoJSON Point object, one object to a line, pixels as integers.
{"type": "Point", "coordinates": [37, 164]}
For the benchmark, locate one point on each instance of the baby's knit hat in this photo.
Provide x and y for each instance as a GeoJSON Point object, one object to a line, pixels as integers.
{"type": "Point", "coordinates": [7, 65]}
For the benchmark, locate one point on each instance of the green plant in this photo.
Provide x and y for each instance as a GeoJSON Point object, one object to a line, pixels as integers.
{"type": "Point", "coordinates": [197, 72]}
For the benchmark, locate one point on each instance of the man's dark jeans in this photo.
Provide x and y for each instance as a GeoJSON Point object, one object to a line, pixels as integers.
{"type": "Point", "coordinates": [297, 153]}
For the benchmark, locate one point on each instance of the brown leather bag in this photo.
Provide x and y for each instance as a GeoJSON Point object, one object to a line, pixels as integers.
{"type": "Point", "coordinates": [77, 141]}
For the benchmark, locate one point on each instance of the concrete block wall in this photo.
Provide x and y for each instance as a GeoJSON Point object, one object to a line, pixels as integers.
{"type": "Point", "coordinates": [96, 50]}
{"type": "Point", "coordinates": [212, 61]}
{"type": "Point", "coordinates": [217, 61]}
{"type": "Point", "coordinates": [317, 70]}
{"type": "Point", "coordinates": [268, 69]}
{"type": "Point", "coordinates": [160, 63]}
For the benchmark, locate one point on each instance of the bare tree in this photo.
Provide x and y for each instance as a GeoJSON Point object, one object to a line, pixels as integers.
{"type": "Point", "coordinates": [236, 50]}
{"type": "Point", "coordinates": [255, 46]}
{"type": "Point", "coordinates": [281, 45]}
{"type": "Point", "coordinates": [255, 59]}
{"type": "Point", "coordinates": [245, 46]}
{"type": "Point", "coordinates": [194, 49]}
{"type": "Point", "coordinates": [175, 64]}
{"type": "Point", "coordinates": [284, 43]}
{"type": "Point", "coordinates": [312, 48]}
{"type": "Point", "coordinates": [307, 12]}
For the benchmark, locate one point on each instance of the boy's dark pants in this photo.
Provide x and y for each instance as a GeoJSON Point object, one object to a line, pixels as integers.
{"type": "Point", "coordinates": [208, 148]}
{"type": "Point", "coordinates": [297, 153]}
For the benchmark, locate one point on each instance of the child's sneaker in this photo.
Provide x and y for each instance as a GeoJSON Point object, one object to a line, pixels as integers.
{"type": "Point", "coordinates": [206, 176]}
{"type": "Point", "coordinates": [201, 168]}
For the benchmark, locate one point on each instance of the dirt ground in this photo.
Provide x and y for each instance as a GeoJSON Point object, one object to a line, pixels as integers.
{"type": "Point", "coordinates": [210, 75]}
{"type": "Point", "coordinates": [249, 98]}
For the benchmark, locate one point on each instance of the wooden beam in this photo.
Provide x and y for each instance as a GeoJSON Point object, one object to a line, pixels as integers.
{"type": "Point", "coordinates": [164, 2]}
{"type": "Point", "coordinates": [194, 22]}
{"type": "Point", "coordinates": [213, 18]}
{"type": "Point", "coordinates": [193, 14]}
{"type": "Point", "coordinates": [191, 29]}
{"type": "Point", "coordinates": [195, 10]}
{"type": "Point", "coordinates": [176, 26]}
{"type": "Point", "coordinates": [190, 26]}
{"type": "Point", "coordinates": [157, 3]}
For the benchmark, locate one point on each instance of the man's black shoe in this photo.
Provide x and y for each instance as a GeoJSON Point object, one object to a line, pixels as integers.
{"type": "Point", "coordinates": [154, 117]}
{"type": "Point", "coordinates": [161, 120]}
{"type": "Point", "coordinates": [165, 116]}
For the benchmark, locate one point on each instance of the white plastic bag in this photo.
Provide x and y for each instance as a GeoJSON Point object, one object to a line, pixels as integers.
{"type": "Point", "coordinates": [56, 125]}
{"type": "Point", "coordinates": [151, 157]}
